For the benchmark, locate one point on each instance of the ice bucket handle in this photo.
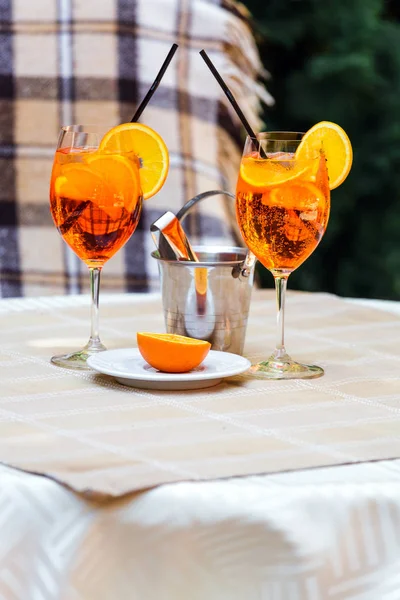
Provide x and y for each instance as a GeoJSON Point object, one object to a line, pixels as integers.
{"type": "Point", "coordinates": [247, 265]}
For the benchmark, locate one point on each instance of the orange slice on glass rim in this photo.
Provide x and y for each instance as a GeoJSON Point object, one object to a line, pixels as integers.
{"type": "Point", "coordinates": [172, 353]}
{"type": "Point", "coordinates": [334, 142]}
{"type": "Point", "coordinates": [147, 145]}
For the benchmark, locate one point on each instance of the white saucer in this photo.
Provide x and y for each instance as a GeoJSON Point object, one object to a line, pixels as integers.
{"type": "Point", "coordinates": [129, 368]}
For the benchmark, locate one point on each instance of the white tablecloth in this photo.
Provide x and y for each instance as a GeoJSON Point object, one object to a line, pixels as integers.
{"type": "Point", "coordinates": [306, 535]}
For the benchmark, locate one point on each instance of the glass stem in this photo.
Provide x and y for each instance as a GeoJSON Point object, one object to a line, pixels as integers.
{"type": "Point", "coordinates": [94, 341]}
{"type": "Point", "coordinates": [280, 288]}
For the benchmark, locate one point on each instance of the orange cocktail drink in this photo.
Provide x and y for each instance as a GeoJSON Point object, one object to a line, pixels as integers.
{"type": "Point", "coordinates": [95, 201]}
{"type": "Point", "coordinates": [282, 207]}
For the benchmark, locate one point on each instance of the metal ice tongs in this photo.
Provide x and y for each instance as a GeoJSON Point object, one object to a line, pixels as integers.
{"type": "Point", "coordinates": [172, 242]}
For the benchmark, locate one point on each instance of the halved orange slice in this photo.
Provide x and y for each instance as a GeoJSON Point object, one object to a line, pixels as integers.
{"type": "Point", "coordinates": [263, 173]}
{"type": "Point", "coordinates": [147, 145]}
{"type": "Point", "coordinates": [172, 353]}
{"type": "Point", "coordinates": [333, 142]}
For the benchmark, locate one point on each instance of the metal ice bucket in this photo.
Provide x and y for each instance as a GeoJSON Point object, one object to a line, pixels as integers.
{"type": "Point", "coordinates": [210, 299]}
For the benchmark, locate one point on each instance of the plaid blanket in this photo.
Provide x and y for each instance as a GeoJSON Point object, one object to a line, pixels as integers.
{"type": "Point", "coordinates": [92, 61]}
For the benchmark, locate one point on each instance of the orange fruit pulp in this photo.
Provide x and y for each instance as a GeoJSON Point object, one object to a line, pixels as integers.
{"type": "Point", "coordinates": [172, 353]}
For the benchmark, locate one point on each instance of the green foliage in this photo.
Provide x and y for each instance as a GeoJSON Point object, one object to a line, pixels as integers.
{"type": "Point", "coordinates": [339, 60]}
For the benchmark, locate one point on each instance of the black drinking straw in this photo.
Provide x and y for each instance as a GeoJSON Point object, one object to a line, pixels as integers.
{"type": "Point", "coordinates": [231, 99]}
{"type": "Point", "coordinates": [155, 84]}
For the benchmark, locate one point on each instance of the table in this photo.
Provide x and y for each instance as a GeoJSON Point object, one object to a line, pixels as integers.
{"type": "Point", "coordinates": [305, 535]}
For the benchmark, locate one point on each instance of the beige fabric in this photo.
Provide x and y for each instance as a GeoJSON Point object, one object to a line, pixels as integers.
{"type": "Point", "coordinates": [92, 62]}
{"type": "Point", "coordinates": [95, 435]}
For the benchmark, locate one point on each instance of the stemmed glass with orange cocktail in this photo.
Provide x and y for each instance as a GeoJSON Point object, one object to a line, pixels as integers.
{"type": "Point", "coordinates": [100, 177]}
{"type": "Point", "coordinates": [282, 208]}
{"type": "Point", "coordinates": [98, 182]}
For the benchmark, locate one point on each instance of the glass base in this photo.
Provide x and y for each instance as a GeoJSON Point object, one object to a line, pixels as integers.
{"type": "Point", "coordinates": [77, 360]}
{"type": "Point", "coordinates": [283, 367]}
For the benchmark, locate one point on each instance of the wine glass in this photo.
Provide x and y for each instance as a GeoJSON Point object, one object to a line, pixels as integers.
{"type": "Point", "coordinates": [282, 208]}
{"type": "Point", "coordinates": [95, 202]}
